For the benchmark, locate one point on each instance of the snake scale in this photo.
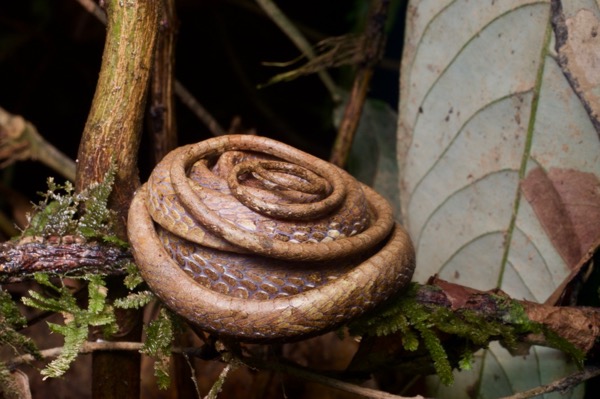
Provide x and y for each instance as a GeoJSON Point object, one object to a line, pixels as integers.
{"type": "Point", "coordinates": [251, 238]}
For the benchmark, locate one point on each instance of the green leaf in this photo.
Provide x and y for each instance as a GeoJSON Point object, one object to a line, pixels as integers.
{"type": "Point", "coordinates": [500, 170]}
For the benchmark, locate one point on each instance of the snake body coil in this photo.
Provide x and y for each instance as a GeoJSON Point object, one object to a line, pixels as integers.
{"type": "Point", "coordinates": [248, 237]}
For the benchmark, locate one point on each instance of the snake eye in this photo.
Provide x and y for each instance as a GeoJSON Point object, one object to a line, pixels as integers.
{"type": "Point", "coordinates": [248, 237]}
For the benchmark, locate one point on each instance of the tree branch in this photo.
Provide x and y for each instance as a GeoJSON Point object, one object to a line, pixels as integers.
{"type": "Point", "coordinates": [562, 384]}
{"type": "Point", "coordinates": [19, 261]}
{"type": "Point", "coordinates": [112, 135]}
{"type": "Point", "coordinates": [372, 48]}
{"type": "Point", "coordinates": [113, 128]}
{"type": "Point", "coordinates": [161, 112]}
{"type": "Point", "coordinates": [184, 95]}
{"type": "Point", "coordinates": [20, 140]}
{"type": "Point", "coordinates": [580, 326]}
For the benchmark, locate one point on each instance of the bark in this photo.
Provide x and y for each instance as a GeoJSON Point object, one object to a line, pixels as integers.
{"type": "Point", "coordinates": [161, 111]}
{"type": "Point", "coordinates": [19, 261]}
{"type": "Point", "coordinates": [113, 128]}
{"type": "Point", "coordinates": [112, 134]}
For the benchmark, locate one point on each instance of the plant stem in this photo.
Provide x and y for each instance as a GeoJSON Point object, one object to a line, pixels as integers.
{"type": "Point", "coordinates": [184, 95]}
{"type": "Point", "coordinates": [20, 140]}
{"type": "Point", "coordinates": [112, 135]}
{"type": "Point", "coordinates": [113, 128]}
{"type": "Point", "coordinates": [282, 21]}
{"type": "Point", "coordinates": [372, 48]}
{"type": "Point", "coordinates": [161, 113]}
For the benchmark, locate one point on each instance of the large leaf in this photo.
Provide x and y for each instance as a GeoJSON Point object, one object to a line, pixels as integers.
{"type": "Point", "coordinates": [500, 158]}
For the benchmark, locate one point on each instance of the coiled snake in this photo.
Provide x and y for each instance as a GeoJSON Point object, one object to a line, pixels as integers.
{"type": "Point", "coordinates": [248, 237]}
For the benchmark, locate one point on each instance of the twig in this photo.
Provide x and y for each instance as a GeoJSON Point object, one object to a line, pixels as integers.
{"type": "Point", "coordinates": [563, 384]}
{"type": "Point", "coordinates": [351, 118]}
{"type": "Point", "coordinates": [218, 385]}
{"type": "Point", "coordinates": [184, 95]}
{"type": "Point", "coordinates": [94, 9]}
{"type": "Point", "coordinates": [161, 110]}
{"type": "Point", "coordinates": [373, 43]}
{"type": "Point", "coordinates": [90, 347]}
{"type": "Point", "coordinates": [282, 21]}
{"type": "Point", "coordinates": [201, 113]}
{"type": "Point", "coordinates": [192, 376]}
{"type": "Point", "coordinates": [308, 375]}
{"type": "Point", "coordinates": [87, 347]}
{"type": "Point", "coordinates": [20, 140]}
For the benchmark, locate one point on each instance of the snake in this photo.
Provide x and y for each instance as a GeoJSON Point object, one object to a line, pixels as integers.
{"type": "Point", "coordinates": [250, 238]}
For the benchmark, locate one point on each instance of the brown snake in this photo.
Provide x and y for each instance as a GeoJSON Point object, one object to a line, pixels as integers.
{"type": "Point", "coordinates": [251, 238]}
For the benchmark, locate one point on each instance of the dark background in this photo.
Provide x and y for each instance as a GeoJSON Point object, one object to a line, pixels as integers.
{"type": "Point", "coordinates": [50, 54]}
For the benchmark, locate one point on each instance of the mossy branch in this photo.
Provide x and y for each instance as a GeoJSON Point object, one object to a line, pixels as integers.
{"type": "Point", "coordinates": [451, 322]}
{"type": "Point", "coordinates": [70, 234]}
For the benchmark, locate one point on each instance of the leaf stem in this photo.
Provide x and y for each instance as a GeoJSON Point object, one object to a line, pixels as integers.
{"type": "Point", "coordinates": [526, 151]}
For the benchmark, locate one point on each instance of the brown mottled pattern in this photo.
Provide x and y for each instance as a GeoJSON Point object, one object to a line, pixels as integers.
{"type": "Point", "coordinates": [246, 275]}
{"type": "Point", "coordinates": [166, 209]}
{"type": "Point", "coordinates": [221, 261]}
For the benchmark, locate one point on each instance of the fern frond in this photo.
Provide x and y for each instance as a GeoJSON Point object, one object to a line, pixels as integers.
{"type": "Point", "coordinates": [159, 341]}
{"type": "Point", "coordinates": [135, 300]}
{"type": "Point", "coordinates": [75, 336]}
{"type": "Point", "coordinates": [77, 319]}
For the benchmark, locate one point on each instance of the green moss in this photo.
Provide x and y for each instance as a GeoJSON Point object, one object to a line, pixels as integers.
{"type": "Point", "coordinates": [11, 321]}
{"type": "Point", "coordinates": [77, 320]}
{"type": "Point", "coordinates": [420, 324]}
{"type": "Point", "coordinates": [63, 212]}
{"type": "Point", "coordinates": [55, 213]}
{"type": "Point", "coordinates": [133, 277]}
{"type": "Point", "coordinates": [7, 385]}
{"type": "Point", "coordinates": [135, 300]}
{"type": "Point", "coordinates": [9, 313]}
{"type": "Point", "coordinates": [160, 334]}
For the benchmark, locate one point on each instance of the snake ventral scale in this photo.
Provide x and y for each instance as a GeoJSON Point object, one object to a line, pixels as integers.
{"type": "Point", "coordinates": [248, 237]}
